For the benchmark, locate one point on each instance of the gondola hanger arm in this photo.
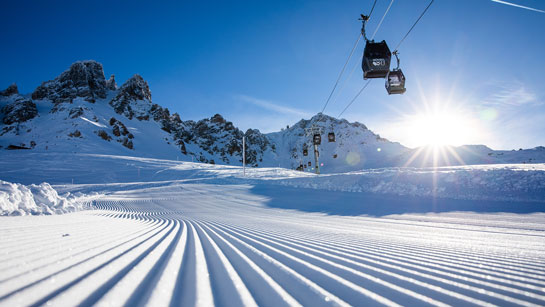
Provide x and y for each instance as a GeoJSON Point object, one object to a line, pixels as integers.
{"type": "Point", "coordinates": [364, 20]}
{"type": "Point", "coordinates": [397, 58]}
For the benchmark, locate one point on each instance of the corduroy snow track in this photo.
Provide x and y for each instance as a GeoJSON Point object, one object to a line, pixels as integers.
{"type": "Point", "coordinates": [204, 244]}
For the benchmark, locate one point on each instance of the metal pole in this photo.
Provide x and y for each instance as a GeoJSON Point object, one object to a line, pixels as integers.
{"type": "Point", "coordinates": [316, 153]}
{"type": "Point", "coordinates": [244, 155]}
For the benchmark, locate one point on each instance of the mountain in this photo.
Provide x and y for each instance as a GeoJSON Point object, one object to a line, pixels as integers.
{"type": "Point", "coordinates": [355, 146]}
{"type": "Point", "coordinates": [81, 111]}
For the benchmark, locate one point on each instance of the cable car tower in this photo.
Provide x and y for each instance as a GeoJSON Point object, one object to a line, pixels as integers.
{"type": "Point", "coordinates": [315, 133]}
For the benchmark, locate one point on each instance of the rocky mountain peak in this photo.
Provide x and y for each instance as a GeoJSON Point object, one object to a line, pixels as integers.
{"type": "Point", "coordinates": [133, 99]}
{"type": "Point", "coordinates": [326, 121]}
{"type": "Point", "coordinates": [111, 84]}
{"type": "Point", "coordinates": [218, 119]}
{"type": "Point", "coordinates": [12, 89]}
{"type": "Point", "coordinates": [136, 88]}
{"type": "Point", "coordinates": [83, 79]}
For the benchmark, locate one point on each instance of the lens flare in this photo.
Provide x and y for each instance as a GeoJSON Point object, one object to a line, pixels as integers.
{"type": "Point", "coordinates": [489, 114]}
{"type": "Point", "coordinates": [352, 158]}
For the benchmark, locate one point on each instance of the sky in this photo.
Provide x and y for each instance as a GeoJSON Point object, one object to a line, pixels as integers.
{"type": "Point", "coordinates": [474, 68]}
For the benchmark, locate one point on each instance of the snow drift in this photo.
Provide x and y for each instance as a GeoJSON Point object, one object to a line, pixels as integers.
{"type": "Point", "coordinates": [18, 199]}
{"type": "Point", "coordinates": [515, 182]}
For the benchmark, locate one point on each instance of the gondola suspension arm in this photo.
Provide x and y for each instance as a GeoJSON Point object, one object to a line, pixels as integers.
{"type": "Point", "coordinates": [395, 53]}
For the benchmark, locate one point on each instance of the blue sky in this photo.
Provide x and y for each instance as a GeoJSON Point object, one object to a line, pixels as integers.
{"type": "Point", "coordinates": [267, 64]}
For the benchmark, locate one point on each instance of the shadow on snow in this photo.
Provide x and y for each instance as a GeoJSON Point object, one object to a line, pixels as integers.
{"type": "Point", "coordinates": [353, 203]}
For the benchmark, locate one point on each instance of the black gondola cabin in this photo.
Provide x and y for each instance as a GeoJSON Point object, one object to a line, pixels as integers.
{"type": "Point", "coordinates": [331, 137]}
{"type": "Point", "coordinates": [395, 82]}
{"type": "Point", "coordinates": [376, 60]}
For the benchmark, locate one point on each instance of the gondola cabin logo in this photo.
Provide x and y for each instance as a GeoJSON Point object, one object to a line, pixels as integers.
{"type": "Point", "coordinates": [379, 62]}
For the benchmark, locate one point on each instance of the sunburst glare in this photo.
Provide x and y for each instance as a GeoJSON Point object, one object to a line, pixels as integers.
{"type": "Point", "coordinates": [436, 122]}
{"type": "Point", "coordinates": [440, 127]}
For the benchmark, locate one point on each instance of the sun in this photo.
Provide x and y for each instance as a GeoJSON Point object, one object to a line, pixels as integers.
{"type": "Point", "coordinates": [435, 131]}
{"type": "Point", "coordinates": [439, 128]}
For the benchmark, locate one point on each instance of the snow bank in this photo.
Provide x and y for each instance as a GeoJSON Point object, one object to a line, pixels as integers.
{"type": "Point", "coordinates": [472, 183]}
{"type": "Point", "coordinates": [18, 199]}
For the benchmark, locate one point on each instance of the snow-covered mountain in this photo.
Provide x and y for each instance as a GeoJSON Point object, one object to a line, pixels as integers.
{"type": "Point", "coordinates": [83, 112]}
{"type": "Point", "coordinates": [355, 146]}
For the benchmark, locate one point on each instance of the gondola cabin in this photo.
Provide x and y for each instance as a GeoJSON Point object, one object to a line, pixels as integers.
{"type": "Point", "coordinates": [331, 137]}
{"type": "Point", "coordinates": [317, 139]}
{"type": "Point", "coordinates": [395, 82]}
{"type": "Point", "coordinates": [376, 60]}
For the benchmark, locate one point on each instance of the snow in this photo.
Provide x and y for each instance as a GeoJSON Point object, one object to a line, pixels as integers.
{"type": "Point", "coordinates": [195, 243]}
{"type": "Point", "coordinates": [355, 147]}
{"type": "Point", "coordinates": [149, 140]}
{"type": "Point", "coordinates": [524, 182]}
{"type": "Point", "coordinates": [93, 123]}
{"type": "Point", "coordinates": [18, 199]}
{"type": "Point", "coordinates": [104, 173]}
{"type": "Point", "coordinates": [162, 232]}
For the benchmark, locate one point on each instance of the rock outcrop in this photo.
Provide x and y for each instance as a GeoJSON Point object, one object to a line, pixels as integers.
{"type": "Point", "coordinates": [11, 90]}
{"type": "Point", "coordinates": [111, 84]}
{"type": "Point", "coordinates": [133, 99]}
{"type": "Point", "coordinates": [218, 137]}
{"type": "Point", "coordinates": [19, 110]}
{"type": "Point", "coordinates": [258, 143]}
{"type": "Point", "coordinates": [83, 79]}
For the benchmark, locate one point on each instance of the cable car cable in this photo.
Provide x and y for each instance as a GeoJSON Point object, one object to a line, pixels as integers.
{"type": "Point", "coordinates": [350, 56]}
{"type": "Point", "coordinates": [372, 8]}
{"type": "Point", "coordinates": [404, 37]}
{"type": "Point", "coordinates": [376, 30]}
{"type": "Point", "coordinates": [342, 71]}
{"type": "Point", "coordinates": [383, 16]}
{"type": "Point", "coordinates": [354, 99]}
{"type": "Point", "coordinates": [353, 69]}
{"type": "Point", "coordinates": [346, 80]}
{"type": "Point", "coordinates": [395, 50]}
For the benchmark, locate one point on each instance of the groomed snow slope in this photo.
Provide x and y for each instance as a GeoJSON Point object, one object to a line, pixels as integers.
{"type": "Point", "coordinates": [172, 233]}
{"type": "Point", "coordinates": [203, 244]}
